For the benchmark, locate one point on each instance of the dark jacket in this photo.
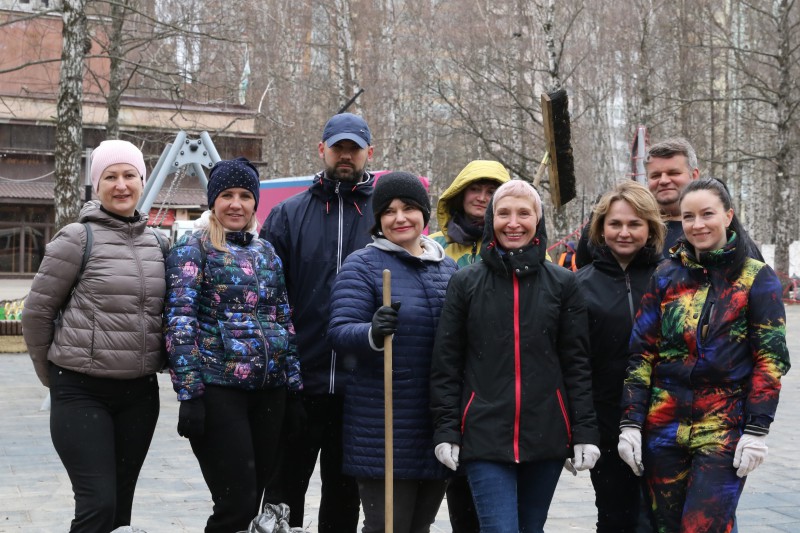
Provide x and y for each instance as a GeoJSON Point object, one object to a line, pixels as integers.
{"type": "Point", "coordinates": [419, 284]}
{"type": "Point", "coordinates": [511, 380]}
{"type": "Point", "coordinates": [313, 232]}
{"type": "Point", "coordinates": [228, 318]}
{"type": "Point", "coordinates": [612, 299]}
{"type": "Point", "coordinates": [709, 333]}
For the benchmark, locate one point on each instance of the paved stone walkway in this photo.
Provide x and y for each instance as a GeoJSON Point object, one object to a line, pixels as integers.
{"type": "Point", "coordinates": [35, 494]}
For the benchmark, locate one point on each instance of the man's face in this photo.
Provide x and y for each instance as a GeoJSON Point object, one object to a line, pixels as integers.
{"type": "Point", "coordinates": [345, 160]}
{"type": "Point", "coordinates": [667, 177]}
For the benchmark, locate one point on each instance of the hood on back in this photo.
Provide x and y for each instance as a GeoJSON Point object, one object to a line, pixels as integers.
{"type": "Point", "coordinates": [474, 171]}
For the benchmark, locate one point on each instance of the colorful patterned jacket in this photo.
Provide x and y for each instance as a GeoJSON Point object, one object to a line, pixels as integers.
{"type": "Point", "coordinates": [707, 333]}
{"type": "Point", "coordinates": [228, 317]}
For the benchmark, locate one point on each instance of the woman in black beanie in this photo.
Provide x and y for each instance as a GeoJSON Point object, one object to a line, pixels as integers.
{"type": "Point", "coordinates": [359, 323]}
{"type": "Point", "coordinates": [232, 353]}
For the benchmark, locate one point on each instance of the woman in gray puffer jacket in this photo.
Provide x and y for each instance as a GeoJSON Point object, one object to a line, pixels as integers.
{"type": "Point", "coordinates": [95, 338]}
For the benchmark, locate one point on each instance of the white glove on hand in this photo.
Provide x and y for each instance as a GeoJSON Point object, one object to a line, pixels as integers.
{"type": "Point", "coordinates": [750, 452]}
{"type": "Point", "coordinates": [586, 455]}
{"type": "Point", "coordinates": [447, 454]}
{"type": "Point", "coordinates": [630, 449]}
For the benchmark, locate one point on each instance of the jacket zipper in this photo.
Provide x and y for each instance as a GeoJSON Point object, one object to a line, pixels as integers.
{"type": "Point", "coordinates": [142, 297]}
{"type": "Point", "coordinates": [517, 369]}
{"type": "Point", "coordinates": [339, 239]}
{"type": "Point", "coordinates": [705, 317]}
{"type": "Point", "coordinates": [255, 315]}
{"type": "Point", "coordinates": [466, 410]}
{"type": "Point", "coordinates": [630, 297]}
{"type": "Point", "coordinates": [565, 415]}
{"type": "Point", "coordinates": [474, 251]}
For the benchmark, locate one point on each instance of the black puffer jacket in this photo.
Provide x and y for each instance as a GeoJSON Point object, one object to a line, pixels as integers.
{"type": "Point", "coordinates": [511, 380]}
{"type": "Point", "coordinates": [313, 232]}
{"type": "Point", "coordinates": [612, 299]}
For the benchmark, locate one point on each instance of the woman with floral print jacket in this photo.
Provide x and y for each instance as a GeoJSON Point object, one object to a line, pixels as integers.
{"type": "Point", "coordinates": [231, 345]}
{"type": "Point", "coordinates": [708, 350]}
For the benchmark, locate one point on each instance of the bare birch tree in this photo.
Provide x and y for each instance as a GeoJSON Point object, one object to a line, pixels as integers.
{"type": "Point", "coordinates": [69, 126]}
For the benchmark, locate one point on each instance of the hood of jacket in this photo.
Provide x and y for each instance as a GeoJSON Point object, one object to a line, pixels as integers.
{"type": "Point", "coordinates": [474, 171]}
{"type": "Point", "coordinates": [523, 261]}
{"type": "Point", "coordinates": [326, 189]}
{"type": "Point", "coordinates": [432, 250]}
{"type": "Point", "coordinates": [604, 261]}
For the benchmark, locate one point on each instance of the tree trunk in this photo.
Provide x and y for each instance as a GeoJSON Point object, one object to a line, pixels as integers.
{"type": "Point", "coordinates": [69, 125]}
{"type": "Point", "coordinates": [116, 72]}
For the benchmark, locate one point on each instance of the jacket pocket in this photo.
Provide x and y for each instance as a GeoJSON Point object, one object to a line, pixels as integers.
{"type": "Point", "coordinates": [466, 410]}
{"type": "Point", "coordinates": [565, 416]}
{"type": "Point", "coordinates": [245, 354]}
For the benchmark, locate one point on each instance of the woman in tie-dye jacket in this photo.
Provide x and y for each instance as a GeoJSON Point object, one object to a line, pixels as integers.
{"type": "Point", "coordinates": [708, 350]}
{"type": "Point", "coordinates": [231, 344]}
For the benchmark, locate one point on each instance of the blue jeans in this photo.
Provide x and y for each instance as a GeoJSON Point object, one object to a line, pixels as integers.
{"type": "Point", "coordinates": [513, 497]}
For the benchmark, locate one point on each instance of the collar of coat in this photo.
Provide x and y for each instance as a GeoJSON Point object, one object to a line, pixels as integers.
{"type": "Point", "coordinates": [325, 188]}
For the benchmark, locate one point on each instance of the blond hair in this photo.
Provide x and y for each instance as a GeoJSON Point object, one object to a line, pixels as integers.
{"type": "Point", "coordinates": [216, 231]}
{"type": "Point", "coordinates": [644, 205]}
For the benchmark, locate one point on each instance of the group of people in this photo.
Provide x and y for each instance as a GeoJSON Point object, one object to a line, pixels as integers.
{"type": "Point", "coordinates": [659, 360]}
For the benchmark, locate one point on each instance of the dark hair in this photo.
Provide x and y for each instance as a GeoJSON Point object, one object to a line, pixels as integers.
{"type": "Point", "coordinates": [672, 147]}
{"type": "Point", "coordinates": [745, 247]}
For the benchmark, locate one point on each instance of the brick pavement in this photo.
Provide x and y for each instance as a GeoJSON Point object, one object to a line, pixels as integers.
{"type": "Point", "coordinates": [35, 494]}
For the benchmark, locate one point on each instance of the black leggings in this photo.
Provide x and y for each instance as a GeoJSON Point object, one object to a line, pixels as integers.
{"type": "Point", "coordinates": [101, 429]}
{"type": "Point", "coordinates": [238, 452]}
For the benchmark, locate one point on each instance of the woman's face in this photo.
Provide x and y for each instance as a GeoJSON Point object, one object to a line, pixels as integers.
{"type": "Point", "coordinates": [705, 220]}
{"type": "Point", "coordinates": [119, 189]}
{"type": "Point", "coordinates": [402, 224]}
{"type": "Point", "coordinates": [624, 231]}
{"type": "Point", "coordinates": [234, 208]}
{"type": "Point", "coordinates": [514, 222]}
{"type": "Point", "coordinates": [476, 198]}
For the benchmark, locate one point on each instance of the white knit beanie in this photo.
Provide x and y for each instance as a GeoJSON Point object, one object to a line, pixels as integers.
{"type": "Point", "coordinates": [113, 152]}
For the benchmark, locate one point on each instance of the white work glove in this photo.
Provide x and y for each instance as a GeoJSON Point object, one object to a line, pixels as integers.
{"type": "Point", "coordinates": [750, 452]}
{"type": "Point", "coordinates": [586, 456]}
{"type": "Point", "coordinates": [447, 454]}
{"type": "Point", "coordinates": [630, 449]}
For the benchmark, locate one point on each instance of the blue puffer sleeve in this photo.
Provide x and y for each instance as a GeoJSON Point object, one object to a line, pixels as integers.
{"type": "Point", "coordinates": [353, 302]}
{"type": "Point", "coordinates": [184, 271]}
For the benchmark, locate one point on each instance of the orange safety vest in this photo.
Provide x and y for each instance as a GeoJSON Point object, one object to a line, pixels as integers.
{"type": "Point", "coordinates": [563, 258]}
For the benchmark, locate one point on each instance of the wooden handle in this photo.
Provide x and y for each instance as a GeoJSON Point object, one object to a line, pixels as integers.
{"type": "Point", "coordinates": [388, 415]}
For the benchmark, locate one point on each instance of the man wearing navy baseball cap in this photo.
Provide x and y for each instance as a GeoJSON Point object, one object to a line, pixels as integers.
{"type": "Point", "coordinates": [313, 232]}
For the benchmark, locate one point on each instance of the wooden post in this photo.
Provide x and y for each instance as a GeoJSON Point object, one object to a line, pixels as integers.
{"type": "Point", "coordinates": [388, 415]}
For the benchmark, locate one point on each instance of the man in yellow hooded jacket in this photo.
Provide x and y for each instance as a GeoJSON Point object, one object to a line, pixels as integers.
{"type": "Point", "coordinates": [461, 208]}
{"type": "Point", "coordinates": [460, 215]}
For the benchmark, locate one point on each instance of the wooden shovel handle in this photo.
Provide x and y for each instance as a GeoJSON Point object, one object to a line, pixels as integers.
{"type": "Point", "coordinates": [388, 415]}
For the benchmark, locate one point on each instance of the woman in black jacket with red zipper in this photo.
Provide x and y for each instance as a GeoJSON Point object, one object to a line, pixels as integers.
{"type": "Point", "coordinates": [511, 381]}
{"type": "Point", "coordinates": [626, 234]}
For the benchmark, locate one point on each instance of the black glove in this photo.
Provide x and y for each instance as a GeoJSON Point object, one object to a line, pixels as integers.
{"type": "Point", "coordinates": [384, 322]}
{"type": "Point", "coordinates": [295, 421]}
{"type": "Point", "coordinates": [192, 418]}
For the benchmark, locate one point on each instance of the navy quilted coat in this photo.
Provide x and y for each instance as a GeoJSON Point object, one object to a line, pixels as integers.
{"type": "Point", "coordinates": [357, 293]}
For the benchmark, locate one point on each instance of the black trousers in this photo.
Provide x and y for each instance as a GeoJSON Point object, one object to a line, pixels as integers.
{"type": "Point", "coordinates": [621, 507]}
{"type": "Point", "coordinates": [101, 429]}
{"type": "Point", "coordinates": [416, 502]}
{"type": "Point", "coordinates": [238, 452]}
{"type": "Point", "coordinates": [463, 516]}
{"type": "Point", "coordinates": [339, 503]}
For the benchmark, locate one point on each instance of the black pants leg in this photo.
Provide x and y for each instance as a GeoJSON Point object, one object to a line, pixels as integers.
{"type": "Point", "coordinates": [101, 429]}
{"type": "Point", "coordinates": [238, 451]}
{"type": "Point", "coordinates": [463, 517]}
{"type": "Point", "coordinates": [339, 504]}
{"type": "Point", "coordinates": [617, 493]}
